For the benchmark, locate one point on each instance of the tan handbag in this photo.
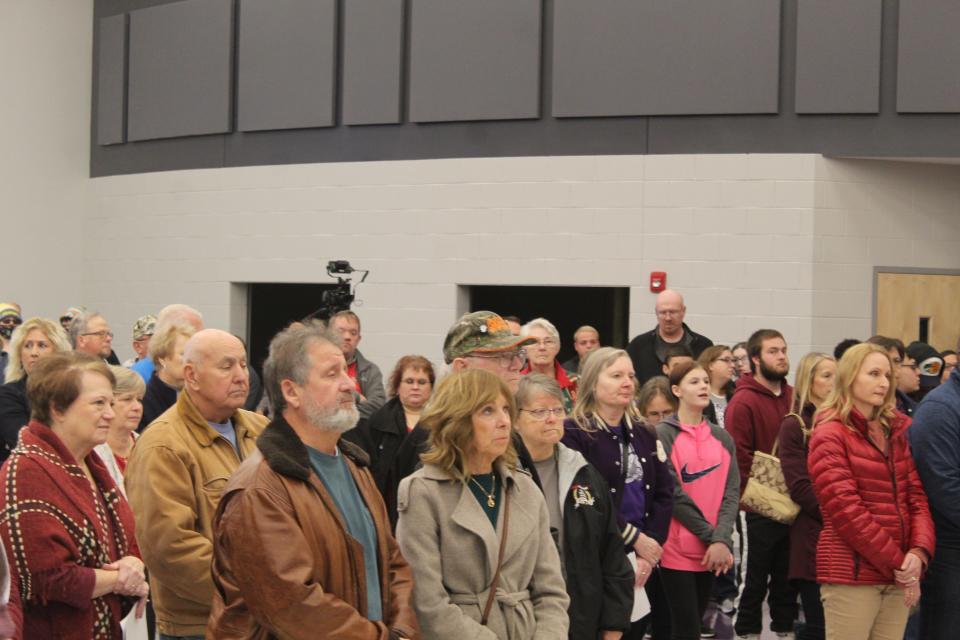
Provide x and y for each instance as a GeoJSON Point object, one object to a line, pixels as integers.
{"type": "Point", "coordinates": [766, 492]}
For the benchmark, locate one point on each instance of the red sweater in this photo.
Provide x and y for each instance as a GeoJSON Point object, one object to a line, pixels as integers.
{"type": "Point", "coordinates": [873, 505]}
{"type": "Point", "coordinates": [753, 418]}
{"type": "Point", "coordinates": [47, 496]}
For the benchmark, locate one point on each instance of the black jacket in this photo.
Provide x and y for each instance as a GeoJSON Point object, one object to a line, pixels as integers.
{"type": "Point", "coordinates": [380, 436]}
{"type": "Point", "coordinates": [158, 398]}
{"type": "Point", "coordinates": [598, 575]}
{"type": "Point", "coordinates": [14, 414]}
{"type": "Point", "coordinates": [642, 350]}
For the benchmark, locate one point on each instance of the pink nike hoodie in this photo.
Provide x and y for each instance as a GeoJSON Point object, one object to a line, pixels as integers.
{"type": "Point", "coordinates": [705, 504]}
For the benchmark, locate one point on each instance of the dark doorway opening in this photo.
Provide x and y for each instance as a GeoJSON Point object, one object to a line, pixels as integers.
{"type": "Point", "coordinates": [272, 306]}
{"type": "Point", "coordinates": [568, 308]}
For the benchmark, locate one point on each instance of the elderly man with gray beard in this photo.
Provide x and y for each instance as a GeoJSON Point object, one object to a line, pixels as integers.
{"type": "Point", "coordinates": [302, 542]}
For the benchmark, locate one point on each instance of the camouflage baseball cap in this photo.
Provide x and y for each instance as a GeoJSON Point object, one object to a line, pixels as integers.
{"type": "Point", "coordinates": [480, 332]}
{"type": "Point", "coordinates": [144, 326]}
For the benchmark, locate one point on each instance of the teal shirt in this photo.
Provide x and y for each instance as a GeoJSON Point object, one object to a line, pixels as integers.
{"type": "Point", "coordinates": [336, 478]}
{"type": "Point", "coordinates": [491, 485]}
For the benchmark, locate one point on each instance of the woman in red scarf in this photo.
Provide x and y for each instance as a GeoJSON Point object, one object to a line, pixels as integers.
{"type": "Point", "coordinates": [66, 527]}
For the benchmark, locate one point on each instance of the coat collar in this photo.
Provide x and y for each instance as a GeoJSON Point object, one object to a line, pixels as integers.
{"type": "Point", "coordinates": [469, 515]}
{"type": "Point", "coordinates": [286, 454]}
{"type": "Point", "coordinates": [198, 427]}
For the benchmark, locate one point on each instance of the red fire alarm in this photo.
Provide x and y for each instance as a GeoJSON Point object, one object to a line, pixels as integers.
{"type": "Point", "coordinates": [658, 281]}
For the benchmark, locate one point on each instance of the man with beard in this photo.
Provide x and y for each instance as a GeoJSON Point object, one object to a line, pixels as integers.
{"type": "Point", "coordinates": [176, 474]}
{"type": "Point", "coordinates": [759, 404]}
{"type": "Point", "coordinates": [302, 543]}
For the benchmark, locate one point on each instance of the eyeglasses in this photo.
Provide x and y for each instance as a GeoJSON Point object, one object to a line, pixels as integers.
{"type": "Point", "coordinates": [668, 313]}
{"type": "Point", "coordinates": [11, 320]}
{"type": "Point", "coordinates": [418, 381]}
{"type": "Point", "coordinates": [505, 359]}
{"type": "Point", "coordinates": [541, 414]}
{"type": "Point", "coordinates": [658, 416]}
{"type": "Point", "coordinates": [546, 342]}
{"type": "Point", "coordinates": [727, 360]}
{"type": "Point", "coordinates": [103, 335]}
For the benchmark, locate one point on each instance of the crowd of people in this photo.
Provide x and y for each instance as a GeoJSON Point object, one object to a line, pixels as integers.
{"type": "Point", "coordinates": [503, 496]}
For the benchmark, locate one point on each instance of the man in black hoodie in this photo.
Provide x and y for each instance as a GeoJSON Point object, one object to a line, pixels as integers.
{"type": "Point", "coordinates": [649, 350]}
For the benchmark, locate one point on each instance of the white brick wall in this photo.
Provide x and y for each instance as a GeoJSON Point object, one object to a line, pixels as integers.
{"type": "Point", "coordinates": [731, 231]}
{"type": "Point", "coordinates": [783, 241]}
{"type": "Point", "coordinates": [871, 214]}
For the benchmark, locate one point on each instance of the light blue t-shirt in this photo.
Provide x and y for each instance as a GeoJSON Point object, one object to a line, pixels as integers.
{"type": "Point", "coordinates": [336, 478]}
{"type": "Point", "coordinates": [226, 430]}
{"type": "Point", "coordinates": [144, 367]}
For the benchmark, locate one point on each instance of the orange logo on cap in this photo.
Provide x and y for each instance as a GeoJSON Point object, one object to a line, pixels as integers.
{"type": "Point", "coordinates": [497, 324]}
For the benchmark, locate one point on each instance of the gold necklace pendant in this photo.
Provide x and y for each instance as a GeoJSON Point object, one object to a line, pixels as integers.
{"type": "Point", "coordinates": [491, 500]}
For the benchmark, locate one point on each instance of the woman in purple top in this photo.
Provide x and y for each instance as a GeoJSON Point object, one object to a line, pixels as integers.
{"type": "Point", "coordinates": [607, 429]}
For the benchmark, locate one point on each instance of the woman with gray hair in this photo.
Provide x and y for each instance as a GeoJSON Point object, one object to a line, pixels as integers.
{"type": "Point", "coordinates": [542, 358]}
{"type": "Point", "coordinates": [583, 518]}
{"type": "Point", "coordinates": [610, 433]}
{"type": "Point", "coordinates": [34, 339]}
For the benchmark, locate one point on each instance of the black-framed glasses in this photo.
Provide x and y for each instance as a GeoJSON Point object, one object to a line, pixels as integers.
{"type": "Point", "coordinates": [541, 414]}
{"type": "Point", "coordinates": [504, 358]}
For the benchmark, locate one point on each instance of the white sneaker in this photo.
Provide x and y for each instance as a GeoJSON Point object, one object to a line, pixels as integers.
{"type": "Point", "coordinates": [728, 607]}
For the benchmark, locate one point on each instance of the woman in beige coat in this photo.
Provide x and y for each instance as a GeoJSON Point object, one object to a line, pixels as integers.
{"type": "Point", "coordinates": [455, 512]}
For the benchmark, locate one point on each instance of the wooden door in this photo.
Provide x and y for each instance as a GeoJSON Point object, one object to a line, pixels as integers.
{"type": "Point", "coordinates": [910, 303]}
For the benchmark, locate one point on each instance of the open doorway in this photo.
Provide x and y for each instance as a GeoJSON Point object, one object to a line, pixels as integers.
{"type": "Point", "coordinates": [274, 305]}
{"type": "Point", "coordinates": [605, 308]}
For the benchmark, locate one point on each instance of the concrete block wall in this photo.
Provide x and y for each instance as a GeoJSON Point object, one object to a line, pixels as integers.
{"type": "Point", "coordinates": [870, 214]}
{"type": "Point", "coordinates": [734, 233]}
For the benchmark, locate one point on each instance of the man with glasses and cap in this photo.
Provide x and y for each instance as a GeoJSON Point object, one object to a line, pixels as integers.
{"type": "Point", "coordinates": [478, 340]}
{"type": "Point", "coordinates": [143, 330]}
{"type": "Point", "coordinates": [10, 319]}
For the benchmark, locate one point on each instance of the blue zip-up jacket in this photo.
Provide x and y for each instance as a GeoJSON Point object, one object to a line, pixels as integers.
{"type": "Point", "coordinates": [935, 441]}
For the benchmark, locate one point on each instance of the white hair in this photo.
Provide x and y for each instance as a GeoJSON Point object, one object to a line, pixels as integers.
{"type": "Point", "coordinates": [541, 323]}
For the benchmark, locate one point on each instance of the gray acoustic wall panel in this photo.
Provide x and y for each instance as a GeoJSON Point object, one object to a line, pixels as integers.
{"type": "Point", "coordinates": [474, 60]}
{"type": "Point", "coordinates": [286, 52]}
{"type": "Point", "coordinates": [180, 69]}
{"type": "Point", "coordinates": [838, 56]}
{"type": "Point", "coordinates": [372, 61]}
{"type": "Point", "coordinates": [653, 57]}
{"type": "Point", "coordinates": [111, 77]}
{"type": "Point", "coordinates": [928, 59]}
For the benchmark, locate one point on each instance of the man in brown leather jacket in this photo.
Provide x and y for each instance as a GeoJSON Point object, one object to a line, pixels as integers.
{"type": "Point", "coordinates": [302, 542]}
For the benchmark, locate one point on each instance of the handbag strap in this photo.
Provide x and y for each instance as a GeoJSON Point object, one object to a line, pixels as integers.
{"type": "Point", "coordinates": [503, 544]}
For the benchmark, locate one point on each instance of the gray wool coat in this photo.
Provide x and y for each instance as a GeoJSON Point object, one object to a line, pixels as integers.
{"type": "Point", "coordinates": [452, 548]}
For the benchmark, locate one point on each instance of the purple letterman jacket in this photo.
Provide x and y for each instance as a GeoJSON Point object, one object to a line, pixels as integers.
{"type": "Point", "coordinates": [601, 448]}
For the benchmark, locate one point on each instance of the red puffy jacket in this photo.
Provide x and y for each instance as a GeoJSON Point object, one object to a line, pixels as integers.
{"type": "Point", "coordinates": [873, 505]}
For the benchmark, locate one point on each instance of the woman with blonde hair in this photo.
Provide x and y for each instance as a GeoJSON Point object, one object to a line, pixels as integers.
{"type": "Point", "coordinates": [474, 529]}
{"type": "Point", "coordinates": [127, 409]}
{"type": "Point", "coordinates": [611, 434]}
{"type": "Point", "coordinates": [34, 339]}
{"type": "Point", "coordinates": [816, 376]}
{"type": "Point", "coordinates": [166, 352]}
{"type": "Point", "coordinates": [877, 532]}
